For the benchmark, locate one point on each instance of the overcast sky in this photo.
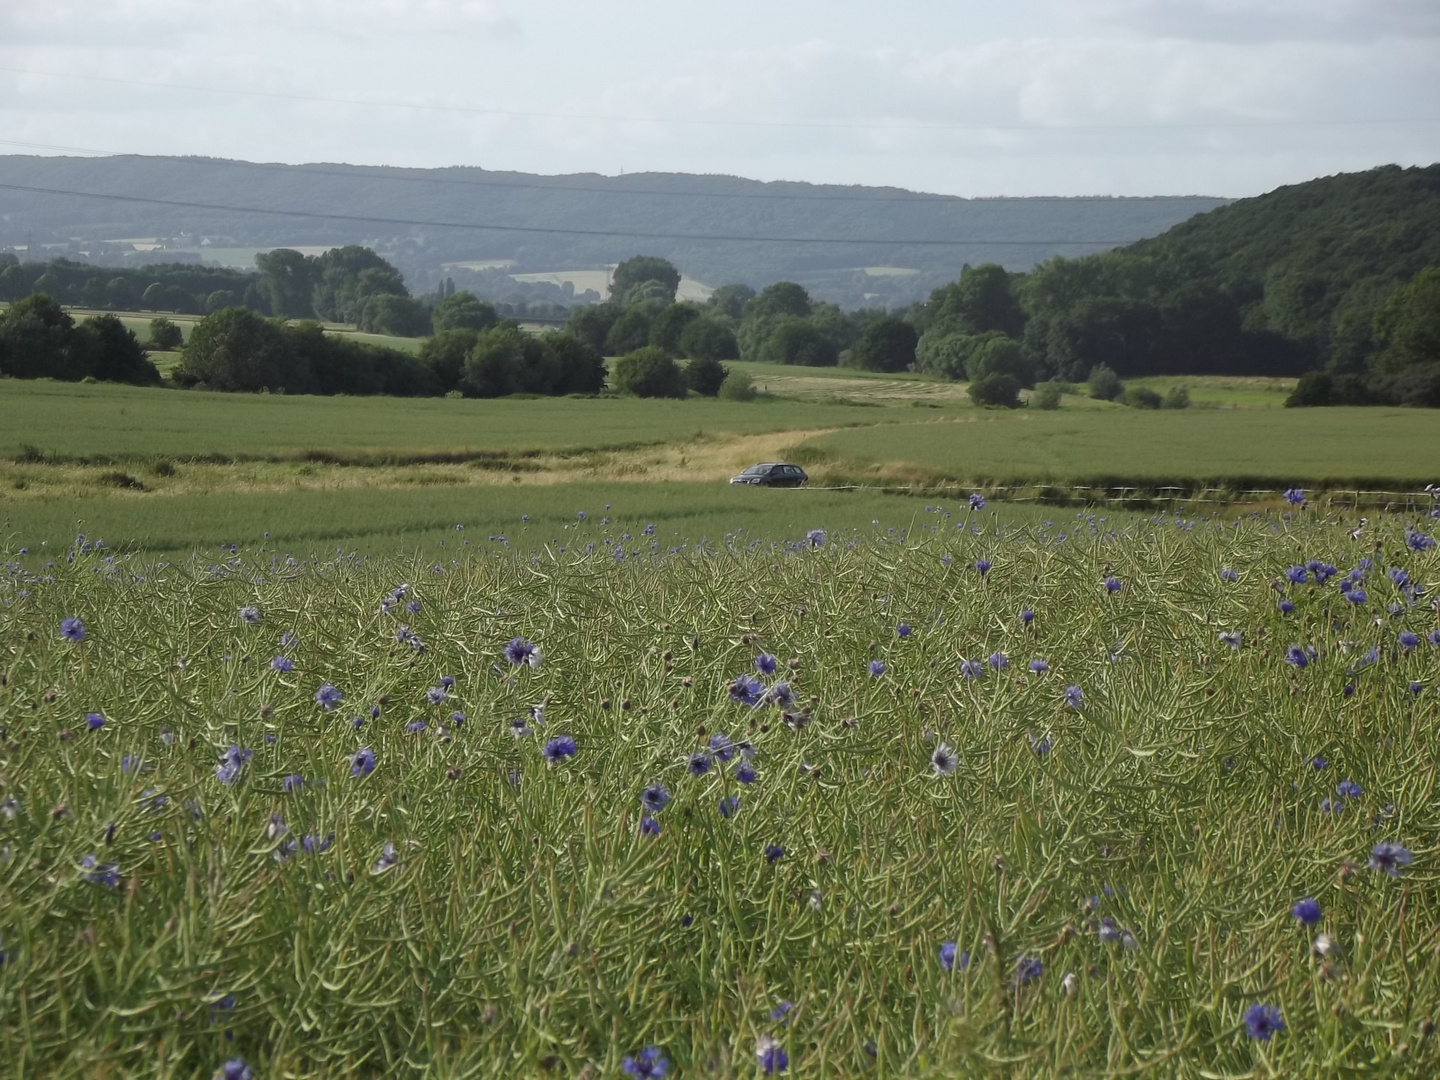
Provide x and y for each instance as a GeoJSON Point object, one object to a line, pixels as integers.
{"type": "Point", "coordinates": [1024, 97]}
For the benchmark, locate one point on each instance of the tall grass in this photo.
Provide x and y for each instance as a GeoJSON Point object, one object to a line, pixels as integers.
{"type": "Point", "coordinates": [479, 912]}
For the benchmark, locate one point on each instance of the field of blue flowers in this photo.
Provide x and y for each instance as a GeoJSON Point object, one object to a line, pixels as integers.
{"type": "Point", "coordinates": [1079, 798]}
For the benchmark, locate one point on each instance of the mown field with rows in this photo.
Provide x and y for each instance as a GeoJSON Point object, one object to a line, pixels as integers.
{"type": "Point", "coordinates": [936, 797]}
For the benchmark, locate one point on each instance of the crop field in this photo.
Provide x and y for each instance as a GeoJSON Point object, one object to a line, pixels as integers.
{"type": "Point", "coordinates": [943, 796]}
{"type": "Point", "coordinates": [1129, 446]}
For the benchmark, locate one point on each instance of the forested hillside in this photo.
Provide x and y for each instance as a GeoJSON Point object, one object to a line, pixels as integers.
{"type": "Point", "coordinates": [546, 223]}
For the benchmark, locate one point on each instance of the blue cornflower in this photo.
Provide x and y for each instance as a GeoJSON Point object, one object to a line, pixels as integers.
{"type": "Point", "coordinates": [655, 798]}
{"type": "Point", "coordinates": [1348, 789]}
{"type": "Point", "coordinates": [699, 763]}
{"type": "Point", "coordinates": [1331, 806]}
{"type": "Point", "coordinates": [649, 530]}
{"type": "Point", "coordinates": [1074, 697]}
{"type": "Point", "coordinates": [1416, 687]}
{"type": "Point", "coordinates": [1418, 541]}
{"type": "Point", "coordinates": [1263, 1021]}
{"type": "Point", "coordinates": [982, 566]}
{"type": "Point", "coordinates": [317, 845]}
{"type": "Point", "coordinates": [649, 826]}
{"type": "Point", "coordinates": [977, 501]}
{"type": "Point", "coordinates": [231, 762]}
{"type": "Point", "coordinates": [999, 661]}
{"type": "Point", "coordinates": [387, 859]}
{"type": "Point", "coordinates": [235, 1069]}
{"type": "Point", "coordinates": [1039, 667]}
{"type": "Point", "coordinates": [558, 749]}
{"type": "Point", "coordinates": [1027, 616]}
{"type": "Point", "coordinates": [250, 614]}
{"type": "Point", "coordinates": [1356, 595]}
{"type": "Point", "coordinates": [1228, 574]}
{"type": "Point", "coordinates": [1285, 607]}
{"type": "Point", "coordinates": [458, 719]}
{"type": "Point", "coordinates": [648, 1063]}
{"type": "Point", "coordinates": [745, 772]}
{"type": "Point", "coordinates": [357, 722]}
{"type": "Point", "coordinates": [94, 721]}
{"type": "Point", "coordinates": [1317, 762]}
{"type": "Point", "coordinates": [781, 1011]}
{"type": "Point", "coordinates": [72, 629]}
{"type": "Point", "coordinates": [729, 806]}
{"type": "Point", "coordinates": [415, 727]}
{"type": "Point", "coordinates": [903, 630]}
{"type": "Point", "coordinates": [1296, 575]}
{"type": "Point", "coordinates": [1231, 638]}
{"type": "Point", "coordinates": [747, 690]}
{"type": "Point", "coordinates": [780, 694]}
{"type": "Point", "coordinates": [288, 640]}
{"type": "Point", "coordinates": [98, 873]}
{"type": "Point", "coordinates": [1296, 657]}
{"type": "Point", "coordinates": [1295, 496]}
{"type": "Point", "coordinates": [1433, 637]}
{"type": "Point", "coordinates": [282, 664]}
{"type": "Point", "coordinates": [436, 695]}
{"type": "Point", "coordinates": [1408, 639]}
{"type": "Point", "coordinates": [951, 959]}
{"type": "Point", "coordinates": [519, 651]}
{"type": "Point", "coordinates": [362, 762]}
{"type": "Point", "coordinates": [773, 852]}
{"type": "Point", "coordinates": [129, 763]}
{"type": "Point", "coordinates": [722, 747]}
{"type": "Point", "coordinates": [327, 697]}
{"type": "Point", "coordinates": [1027, 969]}
{"type": "Point", "coordinates": [765, 664]}
{"type": "Point", "coordinates": [1306, 912]}
{"type": "Point", "coordinates": [816, 537]}
{"type": "Point", "coordinates": [971, 669]}
{"type": "Point", "coordinates": [1390, 857]}
{"type": "Point", "coordinates": [771, 1055]}
{"type": "Point", "coordinates": [292, 783]}
{"type": "Point", "coordinates": [1112, 585]}
{"type": "Point", "coordinates": [877, 668]}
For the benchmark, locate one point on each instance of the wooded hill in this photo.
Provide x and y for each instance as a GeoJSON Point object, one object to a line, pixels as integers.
{"type": "Point", "coordinates": [1016, 233]}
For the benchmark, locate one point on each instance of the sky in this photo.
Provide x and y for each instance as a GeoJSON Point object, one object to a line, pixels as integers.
{"type": "Point", "coordinates": [1025, 97]}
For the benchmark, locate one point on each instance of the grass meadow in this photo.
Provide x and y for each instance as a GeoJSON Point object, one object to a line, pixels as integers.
{"type": "Point", "coordinates": [825, 806]}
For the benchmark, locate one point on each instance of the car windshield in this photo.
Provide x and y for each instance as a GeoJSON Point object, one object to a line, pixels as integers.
{"type": "Point", "coordinates": [756, 470]}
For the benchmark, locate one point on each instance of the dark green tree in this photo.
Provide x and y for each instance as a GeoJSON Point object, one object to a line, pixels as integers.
{"type": "Point", "coordinates": [670, 325]}
{"type": "Point", "coordinates": [238, 350]}
{"type": "Point", "coordinates": [113, 354]}
{"type": "Point", "coordinates": [996, 390]}
{"type": "Point", "coordinates": [287, 280]}
{"type": "Point", "coordinates": [781, 298]}
{"type": "Point", "coordinates": [388, 313]}
{"type": "Point", "coordinates": [592, 324]}
{"type": "Point", "coordinates": [220, 299]}
{"type": "Point", "coordinates": [629, 332]}
{"type": "Point", "coordinates": [344, 278]}
{"type": "Point", "coordinates": [729, 301]}
{"type": "Point", "coordinates": [706, 339]}
{"type": "Point", "coordinates": [888, 344]}
{"type": "Point", "coordinates": [445, 355]}
{"type": "Point", "coordinates": [463, 311]}
{"type": "Point", "coordinates": [579, 367]}
{"type": "Point", "coordinates": [796, 341]}
{"type": "Point", "coordinates": [635, 273]}
{"type": "Point", "coordinates": [38, 341]}
{"type": "Point", "coordinates": [648, 372]}
{"type": "Point", "coordinates": [705, 377]}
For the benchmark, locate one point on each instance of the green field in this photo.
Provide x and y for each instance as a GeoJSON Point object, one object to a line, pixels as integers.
{"type": "Point", "coordinates": [1258, 447]}
{"type": "Point", "coordinates": [68, 420]}
{"type": "Point", "coordinates": [424, 520]}
{"type": "Point", "coordinates": [932, 871]}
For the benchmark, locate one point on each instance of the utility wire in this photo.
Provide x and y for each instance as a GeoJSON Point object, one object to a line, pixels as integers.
{"type": "Point", "coordinates": [630, 233]}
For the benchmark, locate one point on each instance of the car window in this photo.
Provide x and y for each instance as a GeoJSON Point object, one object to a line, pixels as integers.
{"type": "Point", "coordinates": [756, 470]}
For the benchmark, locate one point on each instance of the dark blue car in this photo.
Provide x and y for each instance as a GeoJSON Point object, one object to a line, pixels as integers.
{"type": "Point", "coordinates": [773, 474]}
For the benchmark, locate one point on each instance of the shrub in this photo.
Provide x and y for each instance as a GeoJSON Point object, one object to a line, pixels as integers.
{"type": "Point", "coordinates": [463, 311]}
{"type": "Point", "coordinates": [648, 372]}
{"type": "Point", "coordinates": [706, 377]}
{"type": "Point", "coordinates": [1047, 395]}
{"type": "Point", "coordinates": [1177, 398]}
{"type": "Point", "coordinates": [1001, 390]}
{"type": "Point", "coordinates": [888, 344]}
{"type": "Point", "coordinates": [738, 386]}
{"type": "Point", "coordinates": [1142, 397]}
{"type": "Point", "coordinates": [165, 335]}
{"type": "Point", "coordinates": [1105, 385]}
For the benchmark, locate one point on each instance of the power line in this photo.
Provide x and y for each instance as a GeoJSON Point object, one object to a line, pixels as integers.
{"type": "Point", "coordinates": [696, 122]}
{"type": "Point", "coordinates": [356, 173]}
{"type": "Point", "coordinates": [628, 233]}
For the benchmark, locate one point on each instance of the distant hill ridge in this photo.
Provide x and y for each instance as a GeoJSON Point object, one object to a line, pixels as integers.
{"type": "Point", "coordinates": [1014, 232]}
